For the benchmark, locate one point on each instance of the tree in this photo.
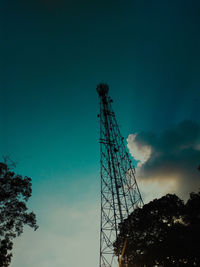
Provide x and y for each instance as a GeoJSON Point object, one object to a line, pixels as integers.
{"type": "Point", "coordinates": [15, 191]}
{"type": "Point", "coordinates": [165, 232]}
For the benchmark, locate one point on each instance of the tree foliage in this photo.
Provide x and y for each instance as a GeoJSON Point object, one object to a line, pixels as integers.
{"type": "Point", "coordinates": [165, 232]}
{"type": "Point", "coordinates": [15, 191]}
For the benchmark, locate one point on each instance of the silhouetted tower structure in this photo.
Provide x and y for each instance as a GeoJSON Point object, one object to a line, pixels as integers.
{"type": "Point", "coordinates": [120, 194]}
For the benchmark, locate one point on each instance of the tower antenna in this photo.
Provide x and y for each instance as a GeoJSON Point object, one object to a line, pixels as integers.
{"type": "Point", "coordinates": [120, 194]}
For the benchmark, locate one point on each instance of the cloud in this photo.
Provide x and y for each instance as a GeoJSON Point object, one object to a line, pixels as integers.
{"type": "Point", "coordinates": [168, 161]}
{"type": "Point", "coordinates": [140, 152]}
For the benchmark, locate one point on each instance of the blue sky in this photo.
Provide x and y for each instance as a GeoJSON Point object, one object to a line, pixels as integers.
{"type": "Point", "coordinates": [54, 53]}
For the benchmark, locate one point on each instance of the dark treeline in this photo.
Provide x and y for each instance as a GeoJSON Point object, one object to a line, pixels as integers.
{"type": "Point", "coordinates": [165, 232]}
{"type": "Point", "coordinates": [15, 191]}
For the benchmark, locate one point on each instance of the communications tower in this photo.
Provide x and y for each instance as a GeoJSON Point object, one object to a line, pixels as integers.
{"type": "Point", "coordinates": [120, 194]}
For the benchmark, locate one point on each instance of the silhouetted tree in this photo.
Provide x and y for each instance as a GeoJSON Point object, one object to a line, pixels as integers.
{"type": "Point", "coordinates": [15, 191]}
{"type": "Point", "coordinates": [165, 232]}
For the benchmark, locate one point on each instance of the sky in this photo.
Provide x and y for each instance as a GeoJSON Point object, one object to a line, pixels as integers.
{"type": "Point", "coordinates": [53, 55]}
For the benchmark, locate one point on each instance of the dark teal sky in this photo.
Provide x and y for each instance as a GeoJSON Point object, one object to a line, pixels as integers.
{"type": "Point", "coordinates": [54, 53]}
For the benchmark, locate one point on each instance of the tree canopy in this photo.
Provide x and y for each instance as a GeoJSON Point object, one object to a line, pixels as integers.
{"type": "Point", "coordinates": [15, 191]}
{"type": "Point", "coordinates": [165, 232]}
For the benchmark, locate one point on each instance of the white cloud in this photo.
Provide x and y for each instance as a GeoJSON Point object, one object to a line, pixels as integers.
{"type": "Point", "coordinates": [169, 161]}
{"type": "Point", "coordinates": [139, 152]}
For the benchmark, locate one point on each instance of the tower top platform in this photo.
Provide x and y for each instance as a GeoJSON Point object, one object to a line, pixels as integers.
{"type": "Point", "coordinates": [102, 89]}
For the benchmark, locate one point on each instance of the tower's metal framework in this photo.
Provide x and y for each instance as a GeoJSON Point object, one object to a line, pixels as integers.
{"type": "Point", "coordinates": [120, 194]}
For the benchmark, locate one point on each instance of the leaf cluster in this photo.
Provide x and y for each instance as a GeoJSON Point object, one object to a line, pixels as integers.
{"type": "Point", "coordinates": [15, 191]}
{"type": "Point", "coordinates": [165, 232]}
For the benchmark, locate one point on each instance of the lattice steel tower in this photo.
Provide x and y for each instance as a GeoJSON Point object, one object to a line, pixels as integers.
{"type": "Point", "coordinates": [120, 194]}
